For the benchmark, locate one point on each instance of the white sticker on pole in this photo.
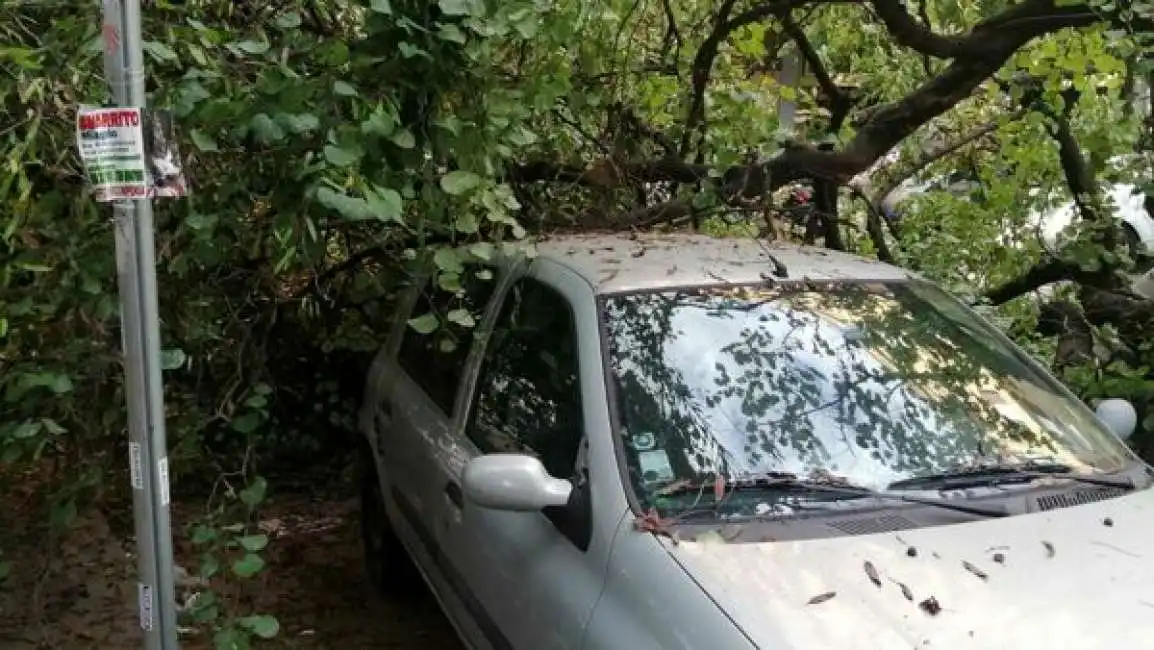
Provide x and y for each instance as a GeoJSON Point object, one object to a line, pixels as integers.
{"type": "Point", "coordinates": [111, 144]}
{"type": "Point", "coordinates": [134, 466]}
{"type": "Point", "coordinates": [162, 477]}
{"type": "Point", "coordinates": [145, 597]}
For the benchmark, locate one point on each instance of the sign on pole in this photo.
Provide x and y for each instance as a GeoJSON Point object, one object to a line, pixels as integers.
{"type": "Point", "coordinates": [112, 147]}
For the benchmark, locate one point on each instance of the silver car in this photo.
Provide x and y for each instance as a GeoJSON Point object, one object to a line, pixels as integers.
{"type": "Point", "coordinates": [677, 442]}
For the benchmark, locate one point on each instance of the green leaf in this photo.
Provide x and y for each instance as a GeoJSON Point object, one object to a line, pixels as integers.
{"type": "Point", "coordinates": [253, 47]}
{"type": "Point", "coordinates": [461, 317]}
{"type": "Point", "coordinates": [246, 423]}
{"type": "Point", "coordinates": [454, 7]}
{"type": "Point", "coordinates": [203, 533]}
{"type": "Point", "coordinates": [404, 139]}
{"type": "Point", "coordinates": [451, 33]}
{"type": "Point", "coordinates": [288, 20]}
{"type": "Point", "coordinates": [425, 323]}
{"type": "Point", "coordinates": [522, 137]}
{"type": "Point", "coordinates": [450, 281]}
{"type": "Point", "coordinates": [341, 156]}
{"type": "Point", "coordinates": [248, 566]}
{"type": "Point", "coordinates": [206, 607]}
{"type": "Point", "coordinates": [253, 543]}
{"type": "Point", "coordinates": [254, 494]}
{"type": "Point", "coordinates": [56, 382]}
{"type": "Point", "coordinates": [459, 182]}
{"type": "Point", "coordinates": [262, 625]}
{"type": "Point", "coordinates": [52, 426]}
{"type": "Point", "coordinates": [386, 204]}
{"type": "Point", "coordinates": [382, 7]}
{"type": "Point", "coordinates": [483, 250]}
{"type": "Point", "coordinates": [26, 430]}
{"type": "Point", "coordinates": [349, 207]}
{"type": "Point", "coordinates": [300, 122]}
{"type": "Point", "coordinates": [172, 358]}
{"type": "Point", "coordinates": [448, 260]}
{"type": "Point", "coordinates": [408, 50]}
{"type": "Point", "coordinates": [344, 89]}
{"type": "Point", "coordinates": [381, 122]}
{"type": "Point", "coordinates": [466, 222]}
{"type": "Point", "coordinates": [209, 566]}
{"type": "Point", "coordinates": [265, 129]}
{"type": "Point", "coordinates": [202, 140]}
{"type": "Point", "coordinates": [160, 51]}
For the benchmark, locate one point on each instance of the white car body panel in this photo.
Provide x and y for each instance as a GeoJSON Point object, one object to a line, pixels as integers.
{"type": "Point", "coordinates": [1093, 593]}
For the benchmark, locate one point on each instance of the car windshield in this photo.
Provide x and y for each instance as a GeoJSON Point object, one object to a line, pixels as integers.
{"type": "Point", "coordinates": [871, 383]}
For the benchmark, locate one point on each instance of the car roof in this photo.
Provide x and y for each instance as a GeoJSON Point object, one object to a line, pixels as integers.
{"type": "Point", "coordinates": [621, 262]}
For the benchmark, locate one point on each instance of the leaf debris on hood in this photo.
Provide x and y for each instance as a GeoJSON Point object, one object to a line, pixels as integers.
{"type": "Point", "coordinates": [821, 598]}
{"type": "Point", "coordinates": [975, 570]}
{"type": "Point", "coordinates": [930, 606]}
{"type": "Point", "coordinates": [652, 522]}
{"type": "Point", "coordinates": [906, 591]}
{"type": "Point", "coordinates": [872, 572]}
{"type": "Point", "coordinates": [1050, 552]}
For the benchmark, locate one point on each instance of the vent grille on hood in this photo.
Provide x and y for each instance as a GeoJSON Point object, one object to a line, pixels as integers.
{"type": "Point", "coordinates": [867, 525]}
{"type": "Point", "coordinates": [1080, 497]}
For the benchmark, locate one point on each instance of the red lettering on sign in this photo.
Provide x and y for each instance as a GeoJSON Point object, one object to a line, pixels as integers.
{"type": "Point", "coordinates": [109, 119]}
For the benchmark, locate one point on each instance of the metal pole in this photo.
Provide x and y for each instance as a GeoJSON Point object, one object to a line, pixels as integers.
{"type": "Point", "coordinates": [136, 271]}
{"type": "Point", "coordinates": [790, 77]}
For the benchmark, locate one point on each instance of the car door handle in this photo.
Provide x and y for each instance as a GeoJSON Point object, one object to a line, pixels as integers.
{"type": "Point", "coordinates": [384, 415]}
{"type": "Point", "coordinates": [453, 491]}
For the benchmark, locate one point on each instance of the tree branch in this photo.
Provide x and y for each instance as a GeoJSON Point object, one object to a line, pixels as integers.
{"type": "Point", "coordinates": [701, 70]}
{"type": "Point", "coordinates": [886, 126]}
{"type": "Point", "coordinates": [1030, 18]}
{"type": "Point", "coordinates": [908, 33]}
{"type": "Point", "coordinates": [1080, 179]}
{"type": "Point", "coordinates": [834, 98]}
{"type": "Point", "coordinates": [891, 179]}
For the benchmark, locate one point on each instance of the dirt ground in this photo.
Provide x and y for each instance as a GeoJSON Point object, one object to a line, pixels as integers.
{"type": "Point", "coordinates": [78, 592]}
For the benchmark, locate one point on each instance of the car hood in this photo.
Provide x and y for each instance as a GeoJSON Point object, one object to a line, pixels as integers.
{"type": "Point", "coordinates": [1079, 577]}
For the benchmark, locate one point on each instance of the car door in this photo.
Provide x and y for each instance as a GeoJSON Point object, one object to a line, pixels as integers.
{"type": "Point", "coordinates": [533, 577]}
{"type": "Point", "coordinates": [419, 392]}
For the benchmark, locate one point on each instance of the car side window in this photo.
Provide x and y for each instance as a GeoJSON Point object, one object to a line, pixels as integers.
{"type": "Point", "coordinates": [528, 397]}
{"type": "Point", "coordinates": [436, 361]}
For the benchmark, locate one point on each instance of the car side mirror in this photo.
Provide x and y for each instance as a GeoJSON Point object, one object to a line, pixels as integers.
{"type": "Point", "coordinates": [1119, 416]}
{"type": "Point", "coordinates": [515, 482]}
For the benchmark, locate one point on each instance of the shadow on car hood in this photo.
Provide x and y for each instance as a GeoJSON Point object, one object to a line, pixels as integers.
{"type": "Point", "coordinates": [1080, 577]}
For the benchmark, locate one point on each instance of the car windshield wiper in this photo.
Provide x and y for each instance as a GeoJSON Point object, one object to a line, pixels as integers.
{"type": "Point", "coordinates": [999, 474]}
{"type": "Point", "coordinates": [779, 481]}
